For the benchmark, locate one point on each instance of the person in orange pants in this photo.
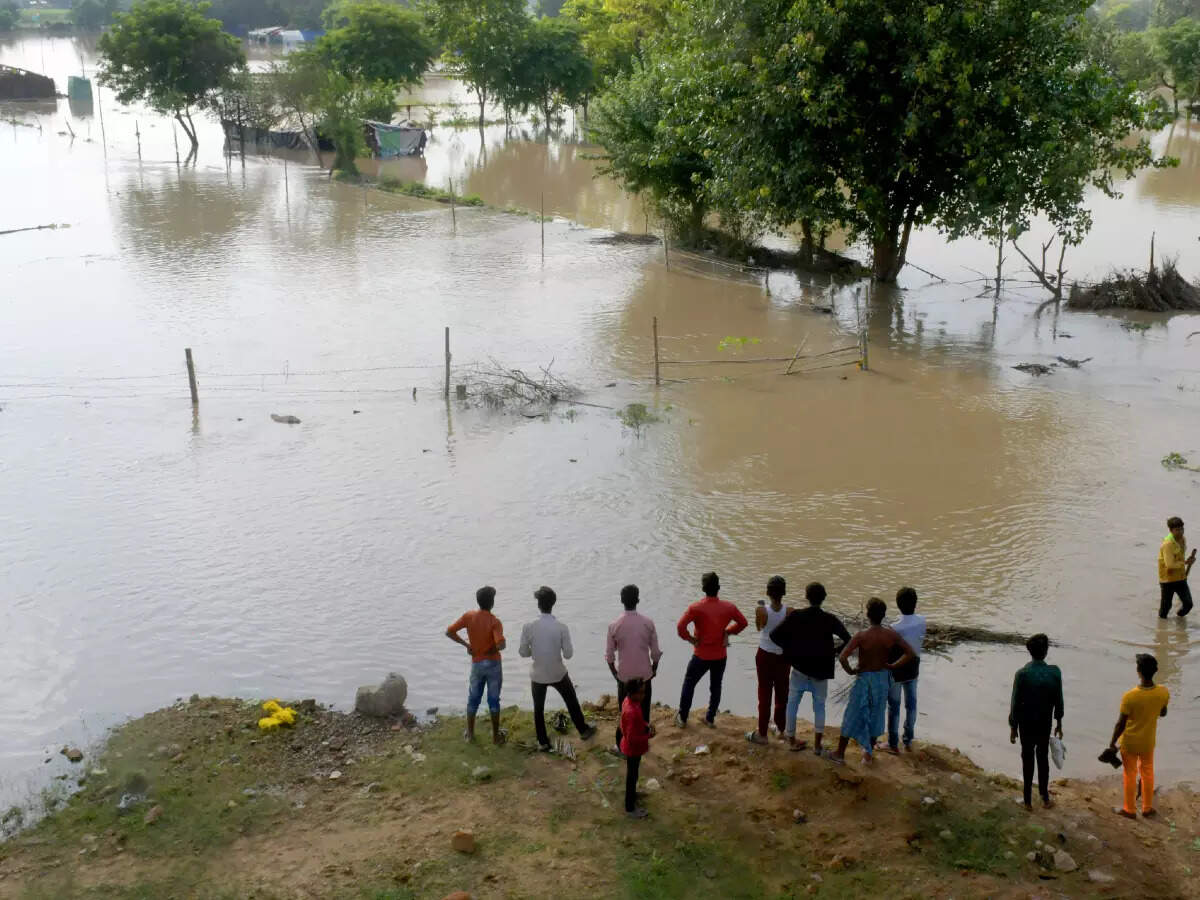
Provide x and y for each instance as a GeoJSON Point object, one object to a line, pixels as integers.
{"type": "Point", "coordinates": [1137, 728]}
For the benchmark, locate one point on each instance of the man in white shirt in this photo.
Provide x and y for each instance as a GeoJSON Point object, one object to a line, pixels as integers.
{"type": "Point", "coordinates": [548, 641]}
{"type": "Point", "coordinates": [911, 627]}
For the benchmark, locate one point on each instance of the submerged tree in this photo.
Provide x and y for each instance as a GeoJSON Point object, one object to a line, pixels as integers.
{"type": "Point", "coordinates": [479, 39]}
{"type": "Point", "coordinates": [549, 69]}
{"type": "Point", "coordinates": [170, 55]}
{"type": "Point", "coordinates": [369, 40]}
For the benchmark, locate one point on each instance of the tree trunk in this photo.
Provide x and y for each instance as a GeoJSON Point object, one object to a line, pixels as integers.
{"type": "Point", "coordinates": [481, 93]}
{"type": "Point", "coordinates": [189, 130]}
{"type": "Point", "coordinates": [806, 243]}
{"type": "Point", "coordinates": [890, 250]}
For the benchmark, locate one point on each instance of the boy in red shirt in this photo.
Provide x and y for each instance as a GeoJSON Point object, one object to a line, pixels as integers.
{"type": "Point", "coordinates": [714, 620]}
{"type": "Point", "coordinates": [635, 742]}
{"type": "Point", "coordinates": [485, 640]}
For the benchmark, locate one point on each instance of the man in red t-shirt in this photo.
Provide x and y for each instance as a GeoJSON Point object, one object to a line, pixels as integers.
{"type": "Point", "coordinates": [713, 620]}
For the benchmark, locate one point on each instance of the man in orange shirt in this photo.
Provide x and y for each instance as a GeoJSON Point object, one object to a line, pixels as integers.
{"type": "Point", "coordinates": [714, 620]}
{"type": "Point", "coordinates": [1137, 729]}
{"type": "Point", "coordinates": [485, 640]}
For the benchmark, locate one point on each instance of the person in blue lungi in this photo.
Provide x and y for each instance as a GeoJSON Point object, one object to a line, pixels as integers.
{"type": "Point", "coordinates": [867, 707]}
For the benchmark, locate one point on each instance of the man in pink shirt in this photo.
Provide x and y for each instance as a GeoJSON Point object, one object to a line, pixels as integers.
{"type": "Point", "coordinates": [714, 620]}
{"type": "Point", "coordinates": [632, 652]}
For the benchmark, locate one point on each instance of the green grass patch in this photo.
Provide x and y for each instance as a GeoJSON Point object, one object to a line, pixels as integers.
{"type": "Point", "coordinates": [781, 781]}
{"type": "Point", "coordinates": [976, 841]}
{"type": "Point", "coordinates": [426, 192]}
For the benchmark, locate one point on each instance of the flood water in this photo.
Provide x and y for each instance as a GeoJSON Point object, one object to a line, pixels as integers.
{"type": "Point", "coordinates": [148, 553]}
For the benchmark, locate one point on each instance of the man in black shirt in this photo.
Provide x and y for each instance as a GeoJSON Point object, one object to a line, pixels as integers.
{"type": "Point", "coordinates": [806, 637]}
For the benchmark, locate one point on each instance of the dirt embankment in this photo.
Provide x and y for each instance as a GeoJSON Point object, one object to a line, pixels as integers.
{"type": "Point", "coordinates": [195, 801]}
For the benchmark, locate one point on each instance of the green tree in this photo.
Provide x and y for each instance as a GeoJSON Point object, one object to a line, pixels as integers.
{"type": "Point", "coordinates": [171, 55]}
{"type": "Point", "coordinates": [8, 17]}
{"type": "Point", "coordinates": [617, 34]}
{"type": "Point", "coordinates": [479, 39]}
{"type": "Point", "coordinates": [370, 40]}
{"type": "Point", "coordinates": [1179, 49]}
{"type": "Point", "coordinates": [550, 68]}
{"type": "Point", "coordinates": [1126, 15]}
{"type": "Point", "coordinates": [1168, 12]}
{"type": "Point", "coordinates": [92, 14]}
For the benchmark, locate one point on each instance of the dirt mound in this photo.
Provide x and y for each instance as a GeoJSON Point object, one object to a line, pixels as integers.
{"type": "Point", "coordinates": [1161, 290]}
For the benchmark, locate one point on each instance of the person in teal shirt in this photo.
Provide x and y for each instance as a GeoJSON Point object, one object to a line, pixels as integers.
{"type": "Point", "coordinates": [1037, 697]}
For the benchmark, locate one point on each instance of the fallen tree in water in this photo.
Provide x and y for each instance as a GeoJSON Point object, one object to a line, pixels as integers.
{"type": "Point", "coordinates": [1159, 290]}
{"type": "Point", "coordinates": [942, 637]}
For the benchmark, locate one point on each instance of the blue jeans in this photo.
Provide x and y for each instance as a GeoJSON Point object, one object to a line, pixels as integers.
{"type": "Point", "coordinates": [909, 690]}
{"type": "Point", "coordinates": [485, 672]}
{"type": "Point", "coordinates": [797, 685]}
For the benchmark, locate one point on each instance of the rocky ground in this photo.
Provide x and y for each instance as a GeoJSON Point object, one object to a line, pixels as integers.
{"type": "Point", "coordinates": [195, 801]}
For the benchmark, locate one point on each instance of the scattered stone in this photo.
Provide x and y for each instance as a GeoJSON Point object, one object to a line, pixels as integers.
{"type": "Point", "coordinates": [847, 777]}
{"type": "Point", "coordinates": [1064, 862]}
{"type": "Point", "coordinates": [1098, 877]}
{"type": "Point", "coordinates": [335, 775]}
{"type": "Point", "coordinates": [652, 784]}
{"type": "Point", "coordinates": [956, 778]}
{"type": "Point", "coordinates": [1031, 856]}
{"type": "Point", "coordinates": [232, 804]}
{"type": "Point", "coordinates": [688, 777]}
{"type": "Point", "coordinates": [799, 817]}
{"type": "Point", "coordinates": [1008, 854]}
{"type": "Point", "coordinates": [249, 792]}
{"type": "Point", "coordinates": [946, 834]}
{"type": "Point", "coordinates": [336, 744]}
{"type": "Point", "coordinates": [373, 788]}
{"type": "Point", "coordinates": [129, 802]}
{"type": "Point", "coordinates": [153, 814]}
{"type": "Point", "coordinates": [463, 842]}
{"type": "Point", "coordinates": [177, 758]}
{"type": "Point", "coordinates": [481, 773]}
{"type": "Point", "coordinates": [98, 772]}
{"type": "Point", "coordinates": [702, 750]}
{"type": "Point", "coordinates": [73, 754]}
{"type": "Point", "coordinates": [385, 701]}
{"type": "Point", "coordinates": [929, 801]}
{"type": "Point", "coordinates": [308, 706]}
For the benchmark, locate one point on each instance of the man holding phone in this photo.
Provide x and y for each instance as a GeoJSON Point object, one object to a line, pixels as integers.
{"type": "Point", "coordinates": [1173, 570]}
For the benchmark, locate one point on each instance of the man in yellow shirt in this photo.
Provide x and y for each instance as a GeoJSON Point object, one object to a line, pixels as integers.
{"type": "Point", "coordinates": [1173, 569]}
{"type": "Point", "coordinates": [1137, 729]}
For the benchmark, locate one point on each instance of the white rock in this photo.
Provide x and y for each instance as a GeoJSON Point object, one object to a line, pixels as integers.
{"type": "Point", "coordinates": [1099, 877]}
{"type": "Point", "coordinates": [1031, 856]}
{"type": "Point", "coordinates": [652, 784]}
{"type": "Point", "coordinates": [335, 775]}
{"type": "Point", "coordinates": [702, 750]}
{"type": "Point", "coordinates": [1064, 862]}
{"type": "Point", "coordinates": [946, 834]}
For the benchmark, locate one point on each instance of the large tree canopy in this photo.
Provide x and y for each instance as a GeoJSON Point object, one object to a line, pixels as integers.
{"type": "Point", "coordinates": [884, 115]}
{"type": "Point", "coordinates": [480, 39]}
{"type": "Point", "coordinates": [370, 40]}
{"type": "Point", "coordinates": [549, 68]}
{"type": "Point", "coordinates": [171, 55]}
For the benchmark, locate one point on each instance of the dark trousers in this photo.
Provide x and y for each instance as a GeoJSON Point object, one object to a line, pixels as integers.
{"type": "Point", "coordinates": [632, 763]}
{"type": "Point", "coordinates": [1035, 746]}
{"type": "Point", "coordinates": [621, 693]}
{"type": "Point", "coordinates": [567, 691]}
{"type": "Point", "coordinates": [1169, 590]}
{"type": "Point", "coordinates": [696, 669]}
{"type": "Point", "coordinates": [773, 670]}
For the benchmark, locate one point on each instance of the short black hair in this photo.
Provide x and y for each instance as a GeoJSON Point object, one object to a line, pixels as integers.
{"type": "Point", "coordinates": [710, 584]}
{"type": "Point", "coordinates": [1038, 646]}
{"type": "Point", "coordinates": [1147, 665]}
{"type": "Point", "coordinates": [546, 598]}
{"type": "Point", "coordinates": [906, 600]}
{"type": "Point", "coordinates": [629, 596]}
{"type": "Point", "coordinates": [1174, 522]}
{"type": "Point", "coordinates": [876, 610]}
{"type": "Point", "coordinates": [634, 686]}
{"type": "Point", "coordinates": [815, 593]}
{"type": "Point", "coordinates": [776, 587]}
{"type": "Point", "coordinates": [486, 597]}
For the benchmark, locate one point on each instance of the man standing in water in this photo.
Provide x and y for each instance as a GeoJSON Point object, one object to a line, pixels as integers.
{"type": "Point", "coordinates": [1137, 729]}
{"type": "Point", "coordinates": [1173, 569]}
{"type": "Point", "coordinates": [714, 620]}
{"type": "Point", "coordinates": [485, 640]}
{"type": "Point", "coordinates": [863, 721]}
{"type": "Point", "coordinates": [632, 653]}
{"type": "Point", "coordinates": [548, 641]}
{"type": "Point", "coordinates": [1037, 696]}
{"type": "Point", "coordinates": [806, 636]}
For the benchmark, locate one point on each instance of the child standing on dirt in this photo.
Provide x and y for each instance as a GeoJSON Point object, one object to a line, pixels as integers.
{"type": "Point", "coordinates": [1137, 729]}
{"type": "Point", "coordinates": [635, 743]}
{"type": "Point", "coordinates": [485, 640]}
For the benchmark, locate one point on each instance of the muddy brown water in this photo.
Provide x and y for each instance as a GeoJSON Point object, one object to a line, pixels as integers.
{"type": "Point", "coordinates": [148, 554]}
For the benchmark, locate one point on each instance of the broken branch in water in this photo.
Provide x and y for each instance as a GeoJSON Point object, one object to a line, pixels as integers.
{"type": "Point", "coordinates": [52, 225]}
{"type": "Point", "coordinates": [500, 387]}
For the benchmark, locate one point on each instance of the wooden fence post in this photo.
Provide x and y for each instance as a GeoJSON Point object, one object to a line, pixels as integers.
{"type": "Point", "coordinates": [447, 362]}
{"type": "Point", "coordinates": [542, 223]}
{"type": "Point", "coordinates": [657, 379]}
{"type": "Point", "coordinates": [454, 226]}
{"type": "Point", "coordinates": [191, 367]}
